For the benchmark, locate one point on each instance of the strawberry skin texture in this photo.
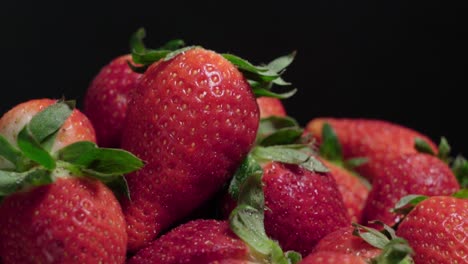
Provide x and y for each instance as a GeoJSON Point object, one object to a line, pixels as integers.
{"type": "Point", "coordinates": [198, 241]}
{"type": "Point", "coordinates": [331, 257]}
{"type": "Point", "coordinates": [301, 206]}
{"type": "Point", "coordinates": [437, 230]}
{"type": "Point", "coordinates": [343, 241]}
{"type": "Point", "coordinates": [269, 106]}
{"type": "Point", "coordinates": [192, 120]}
{"type": "Point", "coordinates": [408, 174]}
{"type": "Point", "coordinates": [107, 98]}
{"type": "Point", "coordinates": [71, 220]}
{"type": "Point", "coordinates": [376, 140]}
{"type": "Point", "coordinates": [354, 192]}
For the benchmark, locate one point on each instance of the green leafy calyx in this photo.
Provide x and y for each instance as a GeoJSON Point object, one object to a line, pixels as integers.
{"type": "Point", "coordinates": [33, 163]}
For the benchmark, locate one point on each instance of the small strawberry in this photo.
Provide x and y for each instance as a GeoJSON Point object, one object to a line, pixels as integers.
{"type": "Point", "coordinates": [367, 243]}
{"type": "Point", "coordinates": [108, 94]}
{"type": "Point", "coordinates": [344, 241]}
{"type": "Point", "coordinates": [54, 210]}
{"type": "Point", "coordinates": [193, 119]}
{"type": "Point", "coordinates": [416, 173]}
{"type": "Point", "coordinates": [352, 189]}
{"type": "Point", "coordinates": [76, 128]}
{"type": "Point", "coordinates": [107, 97]}
{"type": "Point", "coordinates": [293, 186]}
{"type": "Point", "coordinates": [376, 140]}
{"type": "Point", "coordinates": [270, 107]}
{"type": "Point", "coordinates": [436, 229]}
{"type": "Point", "coordinates": [352, 186]}
{"type": "Point", "coordinates": [198, 241]}
{"type": "Point", "coordinates": [332, 257]}
{"type": "Point", "coordinates": [211, 242]}
{"type": "Point", "coordinates": [303, 206]}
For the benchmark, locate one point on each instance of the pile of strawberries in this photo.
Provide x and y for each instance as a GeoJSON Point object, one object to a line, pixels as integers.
{"type": "Point", "coordinates": [182, 154]}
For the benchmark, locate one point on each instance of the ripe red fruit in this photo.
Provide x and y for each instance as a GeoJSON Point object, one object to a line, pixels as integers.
{"type": "Point", "coordinates": [417, 173]}
{"type": "Point", "coordinates": [376, 140]}
{"type": "Point", "coordinates": [107, 97]}
{"type": "Point", "coordinates": [302, 206]}
{"type": "Point", "coordinates": [269, 106]}
{"type": "Point", "coordinates": [353, 190]}
{"type": "Point", "coordinates": [50, 211]}
{"type": "Point", "coordinates": [198, 241]}
{"type": "Point", "coordinates": [193, 119]}
{"type": "Point", "coordinates": [436, 229]}
{"type": "Point", "coordinates": [343, 241]}
{"type": "Point", "coordinates": [71, 220]}
{"type": "Point", "coordinates": [76, 128]}
{"type": "Point", "coordinates": [331, 257]}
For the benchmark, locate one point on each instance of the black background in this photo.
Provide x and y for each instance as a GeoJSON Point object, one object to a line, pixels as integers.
{"type": "Point", "coordinates": [403, 61]}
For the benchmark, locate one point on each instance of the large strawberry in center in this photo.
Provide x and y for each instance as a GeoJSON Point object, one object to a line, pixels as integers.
{"type": "Point", "coordinates": [192, 120]}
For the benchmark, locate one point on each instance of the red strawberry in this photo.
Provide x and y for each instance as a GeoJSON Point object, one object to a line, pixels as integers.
{"type": "Point", "coordinates": [369, 244]}
{"type": "Point", "coordinates": [295, 213]}
{"type": "Point", "coordinates": [109, 92]}
{"type": "Point", "coordinates": [72, 220]}
{"type": "Point", "coordinates": [198, 241]}
{"type": "Point", "coordinates": [376, 140]}
{"type": "Point", "coordinates": [353, 190]}
{"type": "Point", "coordinates": [269, 106]}
{"type": "Point", "coordinates": [343, 241]}
{"type": "Point", "coordinates": [408, 174]}
{"type": "Point", "coordinates": [332, 257]}
{"type": "Point", "coordinates": [47, 214]}
{"type": "Point", "coordinates": [436, 229]}
{"type": "Point", "coordinates": [193, 119]}
{"type": "Point", "coordinates": [302, 206]}
{"type": "Point", "coordinates": [76, 128]}
{"type": "Point", "coordinates": [293, 185]}
{"type": "Point", "coordinates": [107, 98]}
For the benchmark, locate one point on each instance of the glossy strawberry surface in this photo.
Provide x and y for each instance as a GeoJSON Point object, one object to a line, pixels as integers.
{"type": "Point", "coordinates": [192, 120]}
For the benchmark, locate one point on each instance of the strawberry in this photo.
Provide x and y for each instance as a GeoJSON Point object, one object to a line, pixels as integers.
{"type": "Point", "coordinates": [352, 189]}
{"type": "Point", "coordinates": [369, 244]}
{"type": "Point", "coordinates": [270, 107]}
{"type": "Point", "coordinates": [436, 229]}
{"type": "Point", "coordinates": [415, 173]}
{"type": "Point", "coordinates": [69, 220]}
{"type": "Point", "coordinates": [376, 140]}
{"type": "Point", "coordinates": [332, 257]}
{"type": "Point", "coordinates": [303, 206]}
{"type": "Point", "coordinates": [109, 92]}
{"type": "Point", "coordinates": [54, 209]}
{"type": "Point", "coordinates": [343, 241]}
{"type": "Point", "coordinates": [213, 242]}
{"type": "Point", "coordinates": [192, 107]}
{"type": "Point", "coordinates": [198, 241]}
{"type": "Point", "coordinates": [106, 99]}
{"type": "Point", "coordinates": [76, 128]}
{"type": "Point", "coordinates": [293, 184]}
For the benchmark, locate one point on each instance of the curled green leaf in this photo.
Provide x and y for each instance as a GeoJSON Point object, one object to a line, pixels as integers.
{"type": "Point", "coordinates": [408, 202]}
{"type": "Point", "coordinates": [422, 146]}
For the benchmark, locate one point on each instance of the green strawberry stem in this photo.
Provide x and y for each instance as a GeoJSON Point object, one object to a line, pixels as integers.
{"type": "Point", "coordinates": [34, 165]}
{"type": "Point", "coordinates": [261, 78]}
